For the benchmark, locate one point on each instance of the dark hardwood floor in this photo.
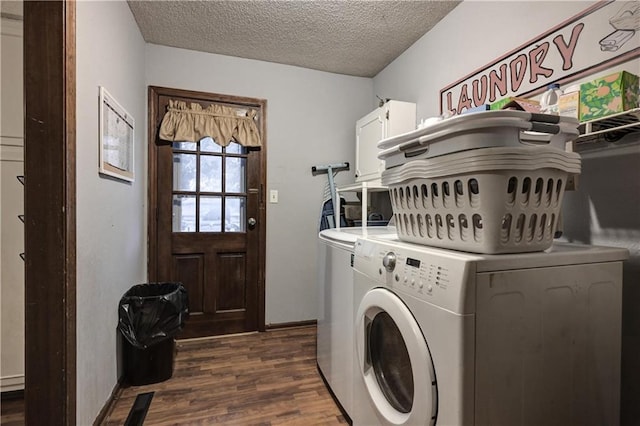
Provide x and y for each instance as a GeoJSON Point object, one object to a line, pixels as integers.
{"type": "Point", "coordinates": [259, 378]}
{"type": "Point", "coordinates": [12, 412]}
{"type": "Point", "coordinates": [249, 379]}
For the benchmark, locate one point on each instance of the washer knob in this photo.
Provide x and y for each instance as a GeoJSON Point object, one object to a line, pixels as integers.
{"type": "Point", "coordinates": [389, 261]}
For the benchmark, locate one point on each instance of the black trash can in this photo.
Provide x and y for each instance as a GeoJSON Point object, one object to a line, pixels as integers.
{"type": "Point", "coordinates": [149, 316]}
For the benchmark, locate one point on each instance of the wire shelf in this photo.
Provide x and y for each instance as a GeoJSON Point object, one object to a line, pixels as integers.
{"type": "Point", "coordinates": [610, 128]}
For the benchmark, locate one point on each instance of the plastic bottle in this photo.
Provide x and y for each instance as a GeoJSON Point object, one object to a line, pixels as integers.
{"type": "Point", "coordinates": [549, 99]}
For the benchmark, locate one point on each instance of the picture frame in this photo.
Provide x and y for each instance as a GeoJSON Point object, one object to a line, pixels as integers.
{"type": "Point", "coordinates": [116, 150]}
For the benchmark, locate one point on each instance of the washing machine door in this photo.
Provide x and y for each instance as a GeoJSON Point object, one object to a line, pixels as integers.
{"type": "Point", "coordinates": [395, 361]}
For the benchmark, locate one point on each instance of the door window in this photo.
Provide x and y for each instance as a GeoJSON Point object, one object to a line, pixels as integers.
{"type": "Point", "coordinates": [390, 361]}
{"type": "Point", "coordinates": [209, 187]}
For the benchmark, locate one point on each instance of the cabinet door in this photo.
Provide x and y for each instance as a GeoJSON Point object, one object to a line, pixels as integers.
{"type": "Point", "coordinates": [401, 118]}
{"type": "Point", "coordinates": [369, 131]}
{"type": "Point", "coordinates": [391, 119]}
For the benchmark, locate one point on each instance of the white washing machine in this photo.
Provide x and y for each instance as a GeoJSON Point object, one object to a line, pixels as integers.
{"type": "Point", "coordinates": [335, 308]}
{"type": "Point", "coordinates": [449, 338]}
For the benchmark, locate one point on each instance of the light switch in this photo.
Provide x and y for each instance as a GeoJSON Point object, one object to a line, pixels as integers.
{"type": "Point", "coordinates": [273, 196]}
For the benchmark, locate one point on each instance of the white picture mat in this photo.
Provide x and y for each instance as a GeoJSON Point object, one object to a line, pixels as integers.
{"type": "Point", "coordinates": [116, 153]}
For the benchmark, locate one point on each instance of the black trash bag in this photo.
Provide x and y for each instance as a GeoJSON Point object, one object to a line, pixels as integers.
{"type": "Point", "coordinates": [151, 313]}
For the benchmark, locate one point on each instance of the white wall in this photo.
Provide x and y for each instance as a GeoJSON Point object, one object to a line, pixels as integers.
{"type": "Point", "coordinates": [11, 205]}
{"type": "Point", "coordinates": [606, 209]}
{"type": "Point", "coordinates": [111, 217]}
{"type": "Point", "coordinates": [311, 119]}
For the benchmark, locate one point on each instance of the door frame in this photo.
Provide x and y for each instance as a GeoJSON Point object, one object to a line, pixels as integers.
{"type": "Point", "coordinates": [50, 211]}
{"type": "Point", "coordinates": [154, 92]}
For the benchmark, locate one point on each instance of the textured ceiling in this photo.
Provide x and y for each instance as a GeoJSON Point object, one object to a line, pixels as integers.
{"type": "Point", "coordinates": [354, 37]}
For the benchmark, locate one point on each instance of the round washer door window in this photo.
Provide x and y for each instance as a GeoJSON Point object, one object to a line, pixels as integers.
{"type": "Point", "coordinates": [394, 360]}
{"type": "Point", "coordinates": [390, 362]}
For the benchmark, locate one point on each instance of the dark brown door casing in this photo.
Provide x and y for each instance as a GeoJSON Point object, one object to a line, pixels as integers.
{"type": "Point", "coordinates": [50, 212]}
{"type": "Point", "coordinates": [221, 265]}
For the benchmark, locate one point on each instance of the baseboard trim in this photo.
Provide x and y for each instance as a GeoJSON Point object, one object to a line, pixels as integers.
{"type": "Point", "coordinates": [12, 383]}
{"type": "Point", "coordinates": [109, 404]}
{"type": "Point", "coordinates": [291, 324]}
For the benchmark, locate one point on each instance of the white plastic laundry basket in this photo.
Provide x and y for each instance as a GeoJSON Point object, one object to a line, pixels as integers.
{"type": "Point", "coordinates": [476, 131]}
{"type": "Point", "coordinates": [483, 206]}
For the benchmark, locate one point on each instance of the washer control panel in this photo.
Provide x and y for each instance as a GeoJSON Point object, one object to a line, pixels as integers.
{"type": "Point", "coordinates": [436, 276]}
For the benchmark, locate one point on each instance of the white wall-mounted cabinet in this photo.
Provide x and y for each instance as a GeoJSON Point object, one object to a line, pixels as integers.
{"type": "Point", "coordinates": [391, 119]}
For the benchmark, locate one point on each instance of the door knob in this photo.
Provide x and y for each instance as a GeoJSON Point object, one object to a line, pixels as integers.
{"type": "Point", "coordinates": [252, 222]}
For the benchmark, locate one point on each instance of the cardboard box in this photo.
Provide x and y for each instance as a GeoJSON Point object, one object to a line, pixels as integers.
{"type": "Point", "coordinates": [608, 95]}
{"type": "Point", "coordinates": [353, 212]}
{"type": "Point", "coordinates": [569, 104]}
{"type": "Point", "coordinates": [519, 104]}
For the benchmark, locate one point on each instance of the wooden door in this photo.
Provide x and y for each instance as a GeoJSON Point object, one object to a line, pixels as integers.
{"type": "Point", "coordinates": [207, 219]}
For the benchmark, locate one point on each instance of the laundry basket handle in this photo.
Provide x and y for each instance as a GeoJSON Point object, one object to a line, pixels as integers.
{"type": "Point", "coordinates": [555, 135]}
{"type": "Point", "coordinates": [545, 118]}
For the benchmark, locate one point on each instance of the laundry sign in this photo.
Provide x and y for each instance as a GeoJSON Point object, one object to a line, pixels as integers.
{"type": "Point", "coordinates": [605, 34]}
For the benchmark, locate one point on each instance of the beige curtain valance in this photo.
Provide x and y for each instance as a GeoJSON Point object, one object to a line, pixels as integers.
{"type": "Point", "coordinates": [221, 123]}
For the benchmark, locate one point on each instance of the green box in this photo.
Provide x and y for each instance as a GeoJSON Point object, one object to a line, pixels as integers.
{"type": "Point", "coordinates": [499, 104]}
{"type": "Point", "coordinates": [519, 104]}
{"type": "Point", "coordinates": [608, 95]}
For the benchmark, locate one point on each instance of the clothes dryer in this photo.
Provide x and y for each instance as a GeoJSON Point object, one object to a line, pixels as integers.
{"type": "Point", "coordinates": [449, 338]}
{"type": "Point", "coordinates": [335, 308]}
